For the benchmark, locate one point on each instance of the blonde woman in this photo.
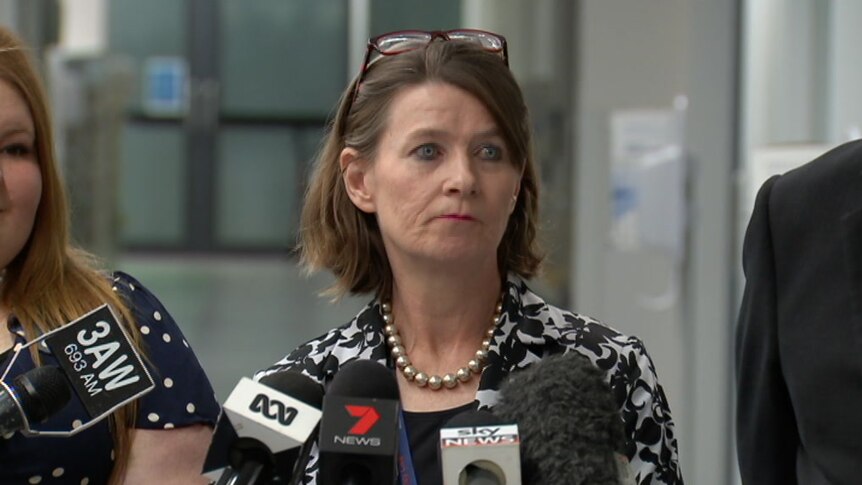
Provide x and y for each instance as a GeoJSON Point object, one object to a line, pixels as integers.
{"type": "Point", "coordinates": [45, 282]}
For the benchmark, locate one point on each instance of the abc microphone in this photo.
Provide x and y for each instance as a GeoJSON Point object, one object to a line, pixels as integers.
{"type": "Point", "coordinates": [263, 425]}
{"type": "Point", "coordinates": [359, 429]}
{"type": "Point", "coordinates": [571, 429]}
{"type": "Point", "coordinates": [476, 448]}
{"type": "Point", "coordinates": [32, 397]}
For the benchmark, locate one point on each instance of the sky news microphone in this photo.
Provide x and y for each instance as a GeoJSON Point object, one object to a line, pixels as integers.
{"type": "Point", "coordinates": [98, 361]}
{"type": "Point", "coordinates": [477, 448]}
{"type": "Point", "coordinates": [359, 430]}
{"type": "Point", "coordinates": [571, 428]}
{"type": "Point", "coordinates": [262, 429]}
{"type": "Point", "coordinates": [32, 397]}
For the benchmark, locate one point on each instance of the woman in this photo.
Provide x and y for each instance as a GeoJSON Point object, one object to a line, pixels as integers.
{"type": "Point", "coordinates": [425, 194]}
{"type": "Point", "coordinates": [45, 283]}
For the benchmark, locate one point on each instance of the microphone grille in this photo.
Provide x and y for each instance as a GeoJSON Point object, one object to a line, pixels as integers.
{"type": "Point", "coordinates": [42, 392]}
{"type": "Point", "coordinates": [296, 385]}
{"type": "Point", "coordinates": [364, 379]}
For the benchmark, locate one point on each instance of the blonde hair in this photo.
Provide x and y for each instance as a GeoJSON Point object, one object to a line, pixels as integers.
{"type": "Point", "coordinates": [50, 282]}
{"type": "Point", "coordinates": [336, 235]}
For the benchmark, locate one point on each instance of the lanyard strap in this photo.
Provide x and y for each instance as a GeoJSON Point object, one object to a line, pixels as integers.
{"type": "Point", "coordinates": [406, 472]}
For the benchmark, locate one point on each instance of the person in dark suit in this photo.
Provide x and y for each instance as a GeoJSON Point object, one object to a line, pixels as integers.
{"type": "Point", "coordinates": [799, 335]}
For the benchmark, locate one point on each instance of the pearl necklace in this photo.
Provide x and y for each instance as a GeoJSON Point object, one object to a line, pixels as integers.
{"type": "Point", "coordinates": [435, 382]}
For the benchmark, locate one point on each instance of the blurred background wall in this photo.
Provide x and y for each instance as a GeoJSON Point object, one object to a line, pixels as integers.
{"type": "Point", "coordinates": [186, 129]}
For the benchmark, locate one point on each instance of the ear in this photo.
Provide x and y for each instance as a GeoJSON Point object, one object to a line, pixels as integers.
{"type": "Point", "coordinates": [358, 179]}
{"type": "Point", "coordinates": [514, 200]}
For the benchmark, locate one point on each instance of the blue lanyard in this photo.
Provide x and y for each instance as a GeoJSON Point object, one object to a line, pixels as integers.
{"type": "Point", "coordinates": [406, 473]}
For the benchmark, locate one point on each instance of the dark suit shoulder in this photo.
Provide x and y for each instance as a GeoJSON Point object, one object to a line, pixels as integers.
{"type": "Point", "coordinates": [821, 190]}
{"type": "Point", "coordinates": [836, 168]}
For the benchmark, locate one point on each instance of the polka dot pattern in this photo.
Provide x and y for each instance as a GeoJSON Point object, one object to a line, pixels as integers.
{"type": "Point", "coordinates": [182, 397]}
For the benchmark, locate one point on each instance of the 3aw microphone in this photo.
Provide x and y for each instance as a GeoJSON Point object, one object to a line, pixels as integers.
{"type": "Point", "coordinates": [476, 448]}
{"type": "Point", "coordinates": [359, 430]}
{"type": "Point", "coordinates": [262, 427]}
{"type": "Point", "coordinates": [571, 429]}
{"type": "Point", "coordinates": [100, 363]}
{"type": "Point", "coordinates": [33, 397]}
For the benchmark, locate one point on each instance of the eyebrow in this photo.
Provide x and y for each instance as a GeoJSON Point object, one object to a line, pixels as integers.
{"type": "Point", "coordinates": [434, 132]}
{"type": "Point", "coordinates": [18, 130]}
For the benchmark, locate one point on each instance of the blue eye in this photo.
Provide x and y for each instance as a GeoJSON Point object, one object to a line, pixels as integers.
{"type": "Point", "coordinates": [490, 152]}
{"type": "Point", "coordinates": [427, 151]}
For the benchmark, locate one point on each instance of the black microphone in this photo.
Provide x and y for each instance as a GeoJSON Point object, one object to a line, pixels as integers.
{"type": "Point", "coordinates": [478, 448]}
{"type": "Point", "coordinates": [258, 436]}
{"type": "Point", "coordinates": [32, 397]}
{"type": "Point", "coordinates": [99, 364]}
{"type": "Point", "coordinates": [359, 431]}
{"type": "Point", "coordinates": [571, 429]}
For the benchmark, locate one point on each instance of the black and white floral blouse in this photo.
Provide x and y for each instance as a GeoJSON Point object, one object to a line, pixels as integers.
{"type": "Point", "coordinates": [529, 330]}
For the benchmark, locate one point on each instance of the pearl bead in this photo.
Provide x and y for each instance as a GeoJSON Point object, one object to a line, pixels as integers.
{"type": "Point", "coordinates": [490, 332]}
{"type": "Point", "coordinates": [421, 379]}
{"type": "Point", "coordinates": [387, 308]}
{"type": "Point", "coordinates": [435, 382]}
{"type": "Point", "coordinates": [499, 308]}
{"type": "Point", "coordinates": [387, 318]}
{"type": "Point", "coordinates": [409, 372]}
{"type": "Point", "coordinates": [474, 366]}
{"type": "Point", "coordinates": [450, 381]}
{"type": "Point", "coordinates": [486, 344]}
{"type": "Point", "coordinates": [402, 361]}
{"type": "Point", "coordinates": [393, 340]}
{"type": "Point", "coordinates": [463, 374]}
{"type": "Point", "coordinates": [397, 351]}
{"type": "Point", "coordinates": [482, 355]}
{"type": "Point", "coordinates": [389, 330]}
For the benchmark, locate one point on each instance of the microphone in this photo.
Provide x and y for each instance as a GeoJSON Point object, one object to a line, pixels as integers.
{"type": "Point", "coordinates": [571, 429]}
{"type": "Point", "coordinates": [98, 362]}
{"type": "Point", "coordinates": [359, 429]}
{"type": "Point", "coordinates": [259, 434]}
{"type": "Point", "coordinates": [33, 397]}
{"type": "Point", "coordinates": [476, 448]}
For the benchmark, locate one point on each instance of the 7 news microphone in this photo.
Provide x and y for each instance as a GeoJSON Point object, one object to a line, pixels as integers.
{"type": "Point", "coordinates": [478, 448]}
{"type": "Point", "coordinates": [262, 429]}
{"type": "Point", "coordinates": [359, 431]}
{"type": "Point", "coordinates": [570, 424]}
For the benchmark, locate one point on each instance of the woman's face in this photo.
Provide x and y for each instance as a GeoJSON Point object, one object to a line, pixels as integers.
{"type": "Point", "coordinates": [442, 184]}
{"type": "Point", "coordinates": [20, 179]}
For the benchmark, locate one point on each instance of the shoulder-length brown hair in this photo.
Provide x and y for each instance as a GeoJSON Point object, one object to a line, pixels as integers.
{"type": "Point", "coordinates": [50, 282]}
{"type": "Point", "coordinates": [336, 235]}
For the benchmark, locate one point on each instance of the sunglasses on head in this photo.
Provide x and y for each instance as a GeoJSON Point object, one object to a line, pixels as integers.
{"type": "Point", "coordinates": [402, 41]}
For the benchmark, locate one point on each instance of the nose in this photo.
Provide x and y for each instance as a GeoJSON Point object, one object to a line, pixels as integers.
{"type": "Point", "coordinates": [461, 176]}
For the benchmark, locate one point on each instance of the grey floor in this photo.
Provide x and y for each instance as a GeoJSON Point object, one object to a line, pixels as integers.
{"type": "Point", "coordinates": [240, 314]}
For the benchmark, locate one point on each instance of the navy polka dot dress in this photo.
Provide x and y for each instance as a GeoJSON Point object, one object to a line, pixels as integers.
{"type": "Point", "coordinates": [182, 396]}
